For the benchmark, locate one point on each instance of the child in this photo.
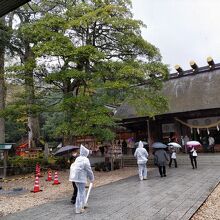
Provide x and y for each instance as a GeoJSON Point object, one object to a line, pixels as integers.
{"type": "Point", "coordinates": [173, 157]}
{"type": "Point", "coordinates": [141, 155]}
{"type": "Point", "coordinates": [79, 171]}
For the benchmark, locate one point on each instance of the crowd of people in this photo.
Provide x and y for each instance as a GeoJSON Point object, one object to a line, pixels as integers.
{"type": "Point", "coordinates": [80, 169]}
{"type": "Point", "coordinates": [161, 157]}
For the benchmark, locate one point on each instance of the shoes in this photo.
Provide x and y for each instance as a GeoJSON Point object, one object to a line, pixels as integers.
{"type": "Point", "coordinates": [164, 175]}
{"type": "Point", "coordinates": [80, 211]}
{"type": "Point", "coordinates": [145, 178]}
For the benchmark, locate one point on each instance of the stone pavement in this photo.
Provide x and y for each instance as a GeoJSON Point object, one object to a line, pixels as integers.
{"type": "Point", "coordinates": [174, 197]}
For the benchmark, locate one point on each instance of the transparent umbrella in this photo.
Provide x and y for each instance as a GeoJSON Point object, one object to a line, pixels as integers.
{"type": "Point", "coordinates": [191, 144]}
{"type": "Point", "coordinates": [158, 145]}
{"type": "Point", "coordinates": [144, 143]}
{"type": "Point", "coordinates": [174, 144]}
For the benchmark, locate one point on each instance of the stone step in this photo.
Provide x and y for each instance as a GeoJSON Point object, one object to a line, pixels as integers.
{"type": "Point", "coordinates": [182, 159]}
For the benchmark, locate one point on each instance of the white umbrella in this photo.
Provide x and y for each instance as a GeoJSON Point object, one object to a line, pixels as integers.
{"type": "Point", "coordinates": [174, 144]}
{"type": "Point", "coordinates": [191, 144]}
{"type": "Point", "coordinates": [144, 143]}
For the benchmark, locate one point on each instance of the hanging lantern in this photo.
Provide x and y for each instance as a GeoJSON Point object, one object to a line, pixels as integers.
{"type": "Point", "coordinates": [198, 131]}
{"type": "Point", "coordinates": [191, 130]}
{"type": "Point", "coordinates": [208, 132]}
{"type": "Point", "coordinates": [217, 128]}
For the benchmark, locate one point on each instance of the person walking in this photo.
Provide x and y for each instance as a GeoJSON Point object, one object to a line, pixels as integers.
{"type": "Point", "coordinates": [75, 153]}
{"type": "Point", "coordinates": [80, 170]}
{"type": "Point", "coordinates": [211, 144]}
{"type": "Point", "coordinates": [141, 155]}
{"type": "Point", "coordinates": [124, 147]}
{"type": "Point", "coordinates": [160, 158]}
{"type": "Point", "coordinates": [173, 158]}
{"type": "Point", "coordinates": [185, 140]}
{"type": "Point", "coordinates": [193, 155]}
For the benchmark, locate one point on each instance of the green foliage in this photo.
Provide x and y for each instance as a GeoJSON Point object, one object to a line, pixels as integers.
{"type": "Point", "coordinates": [62, 162]}
{"type": "Point", "coordinates": [93, 52]}
{"type": "Point", "coordinates": [19, 165]}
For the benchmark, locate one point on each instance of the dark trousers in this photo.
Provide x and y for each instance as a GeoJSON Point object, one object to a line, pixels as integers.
{"type": "Point", "coordinates": [171, 160]}
{"type": "Point", "coordinates": [193, 161]}
{"type": "Point", "coordinates": [162, 170]}
{"type": "Point", "coordinates": [73, 199]}
{"type": "Point", "coordinates": [211, 147]}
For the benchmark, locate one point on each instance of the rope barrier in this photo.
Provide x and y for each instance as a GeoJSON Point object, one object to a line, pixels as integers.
{"type": "Point", "coordinates": [198, 126]}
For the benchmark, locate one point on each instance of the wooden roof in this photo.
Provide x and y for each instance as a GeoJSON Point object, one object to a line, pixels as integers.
{"type": "Point", "coordinates": [190, 91]}
{"type": "Point", "coordinates": [7, 6]}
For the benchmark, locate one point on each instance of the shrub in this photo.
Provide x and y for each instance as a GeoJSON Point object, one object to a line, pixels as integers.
{"type": "Point", "coordinates": [62, 163]}
{"type": "Point", "coordinates": [19, 165]}
{"type": "Point", "coordinates": [103, 166]}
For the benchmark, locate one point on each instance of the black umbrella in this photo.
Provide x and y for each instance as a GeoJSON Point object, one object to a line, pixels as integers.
{"type": "Point", "coordinates": [157, 145]}
{"type": "Point", "coordinates": [65, 150]}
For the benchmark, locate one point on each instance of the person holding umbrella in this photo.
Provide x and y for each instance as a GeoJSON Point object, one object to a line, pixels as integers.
{"type": "Point", "coordinates": [160, 157]}
{"type": "Point", "coordinates": [79, 171]}
{"type": "Point", "coordinates": [75, 153]}
{"type": "Point", "coordinates": [141, 155]}
{"type": "Point", "coordinates": [173, 157]}
{"type": "Point", "coordinates": [173, 148]}
{"type": "Point", "coordinates": [192, 152]}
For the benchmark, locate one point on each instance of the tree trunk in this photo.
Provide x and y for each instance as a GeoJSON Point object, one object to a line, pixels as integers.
{"type": "Point", "coordinates": [33, 119]}
{"type": "Point", "coordinates": [2, 92]}
{"type": "Point", "coordinates": [2, 100]}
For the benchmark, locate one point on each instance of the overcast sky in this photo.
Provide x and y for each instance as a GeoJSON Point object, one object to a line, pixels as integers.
{"type": "Point", "coordinates": [183, 30]}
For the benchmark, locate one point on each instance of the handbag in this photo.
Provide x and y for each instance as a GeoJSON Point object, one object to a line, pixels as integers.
{"type": "Point", "coordinates": [194, 154]}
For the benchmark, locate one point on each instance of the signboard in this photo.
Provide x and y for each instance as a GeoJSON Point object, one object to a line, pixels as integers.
{"type": "Point", "coordinates": [167, 128]}
{"type": "Point", "coordinates": [115, 151]}
{"type": "Point", "coordinates": [5, 146]}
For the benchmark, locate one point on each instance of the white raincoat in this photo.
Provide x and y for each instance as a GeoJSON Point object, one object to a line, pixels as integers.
{"type": "Point", "coordinates": [141, 154]}
{"type": "Point", "coordinates": [81, 168]}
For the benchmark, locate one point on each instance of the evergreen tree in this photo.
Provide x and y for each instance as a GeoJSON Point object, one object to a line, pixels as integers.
{"type": "Point", "coordinates": [93, 52]}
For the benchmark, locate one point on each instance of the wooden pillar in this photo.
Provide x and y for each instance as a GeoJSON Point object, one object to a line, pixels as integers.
{"type": "Point", "coordinates": [149, 138]}
{"type": "Point", "coordinates": [5, 153]}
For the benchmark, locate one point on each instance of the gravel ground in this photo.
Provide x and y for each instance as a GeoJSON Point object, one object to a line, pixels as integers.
{"type": "Point", "coordinates": [11, 203]}
{"type": "Point", "coordinates": [210, 210]}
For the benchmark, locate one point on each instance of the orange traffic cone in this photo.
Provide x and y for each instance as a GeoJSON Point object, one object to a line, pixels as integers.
{"type": "Point", "coordinates": [36, 185]}
{"type": "Point", "coordinates": [49, 176]}
{"type": "Point", "coordinates": [56, 181]}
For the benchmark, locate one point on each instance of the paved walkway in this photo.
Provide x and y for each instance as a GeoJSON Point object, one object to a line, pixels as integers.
{"type": "Point", "coordinates": [174, 197]}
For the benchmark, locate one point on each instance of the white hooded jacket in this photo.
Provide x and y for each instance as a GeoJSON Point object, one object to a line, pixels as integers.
{"type": "Point", "coordinates": [81, 168]}
{"type": "Point", "coordinates": [141, 154]}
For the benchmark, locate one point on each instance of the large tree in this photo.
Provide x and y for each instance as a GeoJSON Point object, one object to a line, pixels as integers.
{"type": "Point", "coordinates": [2, 92]}
{"type": "Point", "coordinates": [93, 51]}
{"type": "Point", "coordinates": [23, 62]}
